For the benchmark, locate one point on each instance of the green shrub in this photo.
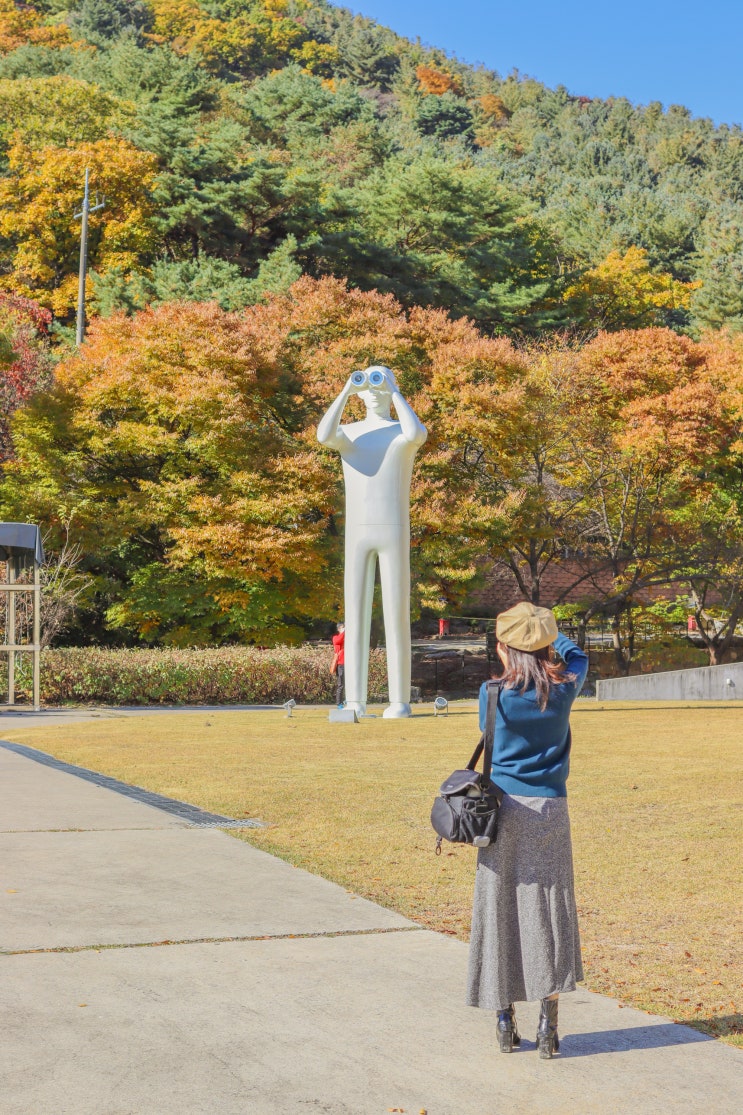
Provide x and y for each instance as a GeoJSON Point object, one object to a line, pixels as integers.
{"type": "Point", "coordinates": [224, 676]}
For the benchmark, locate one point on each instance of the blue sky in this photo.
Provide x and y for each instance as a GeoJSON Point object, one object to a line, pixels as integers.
{"type": "Point", "coordinates": [671, 51]}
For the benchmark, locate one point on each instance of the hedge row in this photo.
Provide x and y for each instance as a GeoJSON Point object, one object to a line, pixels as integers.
{"type": "Point", "coordinates": [227, 675]}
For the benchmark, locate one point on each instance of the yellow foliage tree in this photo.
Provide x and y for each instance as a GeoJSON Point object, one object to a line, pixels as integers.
{"type": "Point", "coordinates": [622, 292]}
{"type": "Point", "coordinates": [317, 58]}
{"type": "Point", "coordinates": [38, 202]}
{"type": "Point", "coordinates": [187, 27]}
{"type": "Point", "coordinates": [23, 24]}
{"type": "Point", "coordinates": [245, 44]}
{"type": "Point", "coordinates": [46, 111]}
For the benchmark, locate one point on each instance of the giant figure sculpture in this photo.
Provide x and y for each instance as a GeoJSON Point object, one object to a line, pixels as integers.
{"type": "Point", "coordinates": [377, 455]}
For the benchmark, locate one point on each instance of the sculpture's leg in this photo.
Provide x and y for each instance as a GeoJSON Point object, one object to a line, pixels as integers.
{"type": "Point", "coordinates": [394, 573]}
{"type": "Point", "coordinates": [359, 594]}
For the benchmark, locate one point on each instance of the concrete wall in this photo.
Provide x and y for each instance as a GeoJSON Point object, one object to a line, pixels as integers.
{"type": "Point", "coordinates": [708, 683]}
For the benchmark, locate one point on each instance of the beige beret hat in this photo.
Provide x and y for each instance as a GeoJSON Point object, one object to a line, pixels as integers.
{"type": "Point", "coordinates": [526, 627]}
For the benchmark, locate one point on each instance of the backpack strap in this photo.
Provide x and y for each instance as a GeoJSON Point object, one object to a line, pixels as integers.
{"type": "Point", "coordinates": [487, 739]}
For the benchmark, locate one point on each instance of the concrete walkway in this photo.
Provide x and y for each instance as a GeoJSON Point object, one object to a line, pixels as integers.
{"type": "Point", "coordinates": [153, 966]}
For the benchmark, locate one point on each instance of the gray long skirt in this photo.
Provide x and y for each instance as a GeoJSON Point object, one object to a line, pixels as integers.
{"type": "Point", "coordinates": [525, 943]}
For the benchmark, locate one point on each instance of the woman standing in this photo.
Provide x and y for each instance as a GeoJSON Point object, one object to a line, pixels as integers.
{"type": "Point", "coordinates": [525, 944]}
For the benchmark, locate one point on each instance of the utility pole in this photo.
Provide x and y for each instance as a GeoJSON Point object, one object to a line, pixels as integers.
{"type": "Point", "coordinates": [85, 212]}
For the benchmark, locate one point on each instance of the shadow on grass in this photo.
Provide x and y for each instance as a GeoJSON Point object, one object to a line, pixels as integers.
{"type": "Point", "coordinates": [719, 1025]}
{"type": "Point", "coordinates": [418, 712]}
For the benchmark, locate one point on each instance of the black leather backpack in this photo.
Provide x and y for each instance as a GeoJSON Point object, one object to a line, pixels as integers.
{"type": "Point", "coordinates": [466, 809]}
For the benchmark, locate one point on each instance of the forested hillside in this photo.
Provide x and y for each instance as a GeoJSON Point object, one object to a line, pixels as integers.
{"type": "Point", "coordinates": [241, 143]}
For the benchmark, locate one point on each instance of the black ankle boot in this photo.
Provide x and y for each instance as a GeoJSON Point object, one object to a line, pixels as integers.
{"type": "Point", "coordinates": [547, 1039]}
{"type": "Point", "coordinates": [508, 1034]}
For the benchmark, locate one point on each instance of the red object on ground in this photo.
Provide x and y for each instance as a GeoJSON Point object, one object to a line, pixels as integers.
{"type": "Point", "coordinates": [443, 627]}
{"type": "Point", "coordinates": [339, 642]}
{"type": "Point", "coordinates": [691, 624]}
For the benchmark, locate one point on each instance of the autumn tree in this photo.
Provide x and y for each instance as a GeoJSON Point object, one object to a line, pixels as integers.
{"type": "Point", "coordinates": [56, 111]}
{"type": "Point", "coordinates": [25, 364]}
{"type": "Point", "coordinates": [709, 524]}
{"type": "Point", "coordinates": [181, 444]}
{"type": "Point", "coordinates": [171, 448]}
{"type": "Point", "coordinates": [622, 292]}
{"type": "Point", "coordinates": [490, 117]}
{"type": "Point", "coordinates": [432, 80]}
{"type": "Point", "coordinates": [38, 202]}
{"type": "Point", "coordinates": [462, 385]}
{"type": "Point", "coordinates": [646, 421]}
{"type": "Point", "coordinates": [625, 461]}
{"type": "Point", "coordinates": [554, 511]}
{"type": "Point", "coordinates": [22, 24]}
{"type": "Point", "coordinates": [244, 39]}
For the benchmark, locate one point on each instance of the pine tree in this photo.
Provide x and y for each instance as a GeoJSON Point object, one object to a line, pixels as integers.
{"type": "Point", "coordinates": [719, 301]}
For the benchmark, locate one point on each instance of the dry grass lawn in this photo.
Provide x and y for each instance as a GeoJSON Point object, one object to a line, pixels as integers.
{"type": "Point", "coordinates": [655, 796]}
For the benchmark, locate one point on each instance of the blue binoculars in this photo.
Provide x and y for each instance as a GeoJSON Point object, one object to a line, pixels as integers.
{"type": "Point", "coordinates": [373, 379]}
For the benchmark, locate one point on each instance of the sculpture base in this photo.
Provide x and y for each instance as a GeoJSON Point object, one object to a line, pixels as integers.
{"type": "Point", "coordinates": [397, 711]}
{"type": "Point", "coordinates": [343, 716]}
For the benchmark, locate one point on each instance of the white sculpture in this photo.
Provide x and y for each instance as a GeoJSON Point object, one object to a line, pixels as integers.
{"type": "Point", "coordinates": [377, 456]}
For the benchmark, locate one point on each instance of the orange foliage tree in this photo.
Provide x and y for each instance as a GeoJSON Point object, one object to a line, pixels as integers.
{"type": "Point", "coordinates": [709, 524]}
{"type": "Point", "coordinates": [493, 109]}
{"type": "Point", "coordinates": [462, 385]}
{"type": "Point", "coordinates": [613, 458]}
{"type": "Point", "coordinates": [646, 423]}
{"type": "Point", "coordinates": [21, 24]}
{"type": "Point", "coordinates": [172, 448]}
{"type": "Point", "coordinates": [181, 444]}
{"type": "Point", "coordinates": [437, 82]}
{"type": "Point", "coordinates": [552, 508]}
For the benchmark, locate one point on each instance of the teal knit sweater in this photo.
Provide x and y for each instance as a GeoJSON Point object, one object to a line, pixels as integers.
{"type": "Point", "coordinates": [531, 755]}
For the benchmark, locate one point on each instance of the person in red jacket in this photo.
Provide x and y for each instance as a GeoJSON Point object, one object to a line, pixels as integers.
{"type": "Point", "coordinates": [340, 670]}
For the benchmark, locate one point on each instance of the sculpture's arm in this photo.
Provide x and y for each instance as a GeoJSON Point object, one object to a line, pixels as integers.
{"type": "Point", "coordinates": [329, 430]}
{"type": "Point", "coordinates": [412, 428]}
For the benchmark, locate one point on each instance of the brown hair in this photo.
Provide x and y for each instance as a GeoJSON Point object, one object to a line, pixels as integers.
{"type": "Point", "coordinates": [537, 667]}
